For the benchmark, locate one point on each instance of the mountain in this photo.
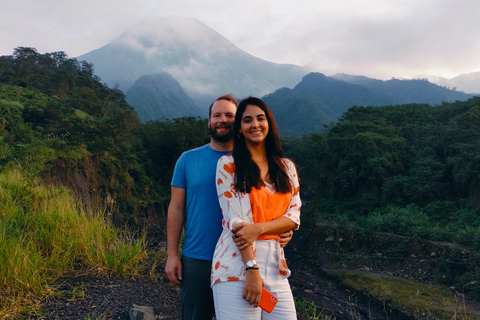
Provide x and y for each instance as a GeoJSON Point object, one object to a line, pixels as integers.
{"type": "Point", "coordinates": [319, 100]}
{"type": "Point", "coordinates": [159, 96]}
{"type": "Point", "coordinates": [204, 63]}
{"type": "Point", "coordinates": [176, 66]}
{"type": "Point", "coordinates": [406, 91]}
{"type": "Point", "coordinates": [468, 82]}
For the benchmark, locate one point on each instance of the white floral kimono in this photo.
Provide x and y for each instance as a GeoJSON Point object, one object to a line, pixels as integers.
{"type": "Point", "coordinates": [227, 264]}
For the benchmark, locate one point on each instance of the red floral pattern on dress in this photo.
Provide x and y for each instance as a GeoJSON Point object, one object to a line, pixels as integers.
{"type": "Point", "coordinates": [229, 167]}
{"type": "Point", "coordinates": [228, 264]}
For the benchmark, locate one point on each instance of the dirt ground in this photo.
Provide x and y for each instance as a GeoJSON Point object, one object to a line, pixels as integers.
{"type": "Point", "coordinates": [93, 298]}
{"type": "Point", "coordinates": [96, 298]}
{"type": "Point", "coordinates": [90, 298]}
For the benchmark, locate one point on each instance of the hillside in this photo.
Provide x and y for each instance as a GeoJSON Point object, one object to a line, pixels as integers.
{"type": "Point", "coordinates": [159, 96]}
{"type": "Point", "coordinates": [318, 100]}
{"type": "Point", "coordinates": [409, 91]}
{"type": "Point", "coordinates": [57, 121]}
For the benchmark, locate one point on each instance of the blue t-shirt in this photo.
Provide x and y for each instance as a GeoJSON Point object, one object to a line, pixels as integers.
{"type": "Point", "coordinates": [195, 172]}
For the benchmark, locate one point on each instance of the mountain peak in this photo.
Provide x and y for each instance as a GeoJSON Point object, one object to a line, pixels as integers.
{"type": "Point", "coordinates": [205, 63]}
{"type": "Point", "coordinates": [160, 32]}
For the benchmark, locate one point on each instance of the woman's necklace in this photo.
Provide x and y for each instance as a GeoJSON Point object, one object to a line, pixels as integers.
{"type": "Point", "coordinates": [270, 186]}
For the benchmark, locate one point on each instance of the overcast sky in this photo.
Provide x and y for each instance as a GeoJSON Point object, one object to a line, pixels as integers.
{"type": "Point", "coordinates": [376, 38]}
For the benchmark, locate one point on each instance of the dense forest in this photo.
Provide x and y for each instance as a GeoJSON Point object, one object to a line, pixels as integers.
{"type": "Point", "coordinates": [58, 121]}
{"type": "Point", "coordinates": [382, 165]}
{"type": "Point", "coordinates": [408, 170]}
{"type": "Point", "coordinates": [411, 170]}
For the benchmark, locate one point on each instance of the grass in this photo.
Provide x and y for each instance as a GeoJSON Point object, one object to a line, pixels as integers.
{"type": "Point", "coordinates": [306, 310]}
{"type": "Point", "coordinates": [44, 233]}
{"type": "Point", "coordinates": [93, 317]}
{"type": "Point", "coordinates": [419, 300]}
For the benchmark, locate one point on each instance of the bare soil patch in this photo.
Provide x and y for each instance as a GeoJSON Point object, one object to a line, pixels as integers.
{"type": "Point", "coordinates": [91, 298]}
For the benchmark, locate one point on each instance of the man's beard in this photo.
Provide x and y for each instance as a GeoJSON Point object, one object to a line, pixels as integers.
{"type": "Point", "coordinates": [221, 138]}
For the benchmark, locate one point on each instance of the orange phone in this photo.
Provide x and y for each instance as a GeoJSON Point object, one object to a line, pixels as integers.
{"type": "Point", "coordinates": [267, 300]}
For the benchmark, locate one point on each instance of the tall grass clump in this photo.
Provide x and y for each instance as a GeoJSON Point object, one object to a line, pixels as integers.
{"type": "Point", "coordinates": [44, 233]}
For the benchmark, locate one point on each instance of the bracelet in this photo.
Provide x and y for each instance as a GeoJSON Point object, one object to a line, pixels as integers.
{"type": "Point", "coordinates": [248, 268]}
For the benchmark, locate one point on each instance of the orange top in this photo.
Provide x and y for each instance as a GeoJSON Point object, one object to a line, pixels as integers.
{"type": "Point", "coordinates": [267, 206]}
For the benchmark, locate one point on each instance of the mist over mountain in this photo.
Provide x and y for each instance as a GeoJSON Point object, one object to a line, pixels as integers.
{"type": "Point", "coordinates": [406, 91]}
{"type": "Point", "coordinates": [468, 82]}
{"type": "Point", "coordinates": [204, 63]}
{"type": "Point", "coordinates": [159, 96]}
{"type": "Point", "coordinates": [319, 100]}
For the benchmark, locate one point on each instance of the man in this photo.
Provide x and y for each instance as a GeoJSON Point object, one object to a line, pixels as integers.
{"type": "Point", "coordinates": [193, 190]}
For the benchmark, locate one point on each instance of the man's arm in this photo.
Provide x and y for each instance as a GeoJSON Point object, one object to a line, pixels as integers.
{"type": "Point", "coordinates": [176, 209]}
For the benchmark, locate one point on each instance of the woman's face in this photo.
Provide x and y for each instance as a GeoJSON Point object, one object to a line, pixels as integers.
{"type": "Point", "coordinates": [254, 125]}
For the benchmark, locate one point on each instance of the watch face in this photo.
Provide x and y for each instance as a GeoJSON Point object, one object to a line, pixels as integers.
{"type": "Point", "coordinates": [251, 263]}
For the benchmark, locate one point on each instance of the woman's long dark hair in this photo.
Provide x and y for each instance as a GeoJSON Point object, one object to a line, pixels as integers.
{"type": "Point", "coordinates": [247, 173]}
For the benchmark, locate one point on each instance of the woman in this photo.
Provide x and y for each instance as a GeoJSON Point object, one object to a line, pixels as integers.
{"type": "Point", "coordinates": [258, 192]}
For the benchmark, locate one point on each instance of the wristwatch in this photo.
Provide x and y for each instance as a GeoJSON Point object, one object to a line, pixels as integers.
{"type": "Point", "coordinates": [250, 264]}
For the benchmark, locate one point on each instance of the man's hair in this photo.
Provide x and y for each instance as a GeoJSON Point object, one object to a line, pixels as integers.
{"type": "Point", "coordinates": [227, 97]}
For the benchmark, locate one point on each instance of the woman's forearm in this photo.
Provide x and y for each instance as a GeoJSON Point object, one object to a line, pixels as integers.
{"type": "Point", "coordinates": [245, 234]}
{"type": "Point", "coordinates": [276, 226]}
{"type": "Point", "coordinates": [247, 254]}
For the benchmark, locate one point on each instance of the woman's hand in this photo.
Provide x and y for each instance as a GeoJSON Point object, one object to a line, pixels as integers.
{"type": "Point", "coordinates": [252, 291]}
{"type": "Point", "coordinates": [245, 234]}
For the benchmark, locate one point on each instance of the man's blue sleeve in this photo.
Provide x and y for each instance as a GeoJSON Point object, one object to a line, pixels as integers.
{"type": "Point", "coordinates": [179, 178]}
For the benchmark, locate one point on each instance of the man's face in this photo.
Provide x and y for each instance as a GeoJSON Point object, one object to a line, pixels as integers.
{"type": "Point", "coordinates": [221, 120]}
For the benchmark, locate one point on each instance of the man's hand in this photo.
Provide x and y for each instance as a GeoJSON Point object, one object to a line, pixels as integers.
{"type": "Point", "coordinates": [173, 270]}
{"type": "Point", "coordinates": [176, 208]}
{"type": "Point", "coordinates": [245, 234]}
{"type": "Point", "coordinates": [285, 238]}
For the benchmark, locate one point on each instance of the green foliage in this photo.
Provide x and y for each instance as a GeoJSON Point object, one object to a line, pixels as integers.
{"type": "Point", "coordinates": [377, 158]}
{"type": "Point", "coordinates": [307, 310]}
{"type": "Point", "coordinates": [55, 113]}
{"type": "Point", "coordinates": [420, 301]}
{"type": "Point", "coordinates": [59, 123]}
{"type": "Point", "coordinates": [164, 141]}
{"type": "Point", "coordinates": [410, 170]}
{"type": "Point", "coordinates": [44, 234]}
{"type": "Point", "coordinates": [318, 100]}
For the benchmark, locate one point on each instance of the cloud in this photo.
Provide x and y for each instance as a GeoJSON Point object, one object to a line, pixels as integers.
{"type": "Point", "coordinates": [432, 36]}
{"type": "Point", "coordinates": [373, 37]}
{"type": "Point", "coordinates": [54, 25]}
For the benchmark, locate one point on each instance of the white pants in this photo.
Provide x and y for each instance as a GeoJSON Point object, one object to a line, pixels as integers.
{"type": "Point", "coordinates": [230, 305]}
